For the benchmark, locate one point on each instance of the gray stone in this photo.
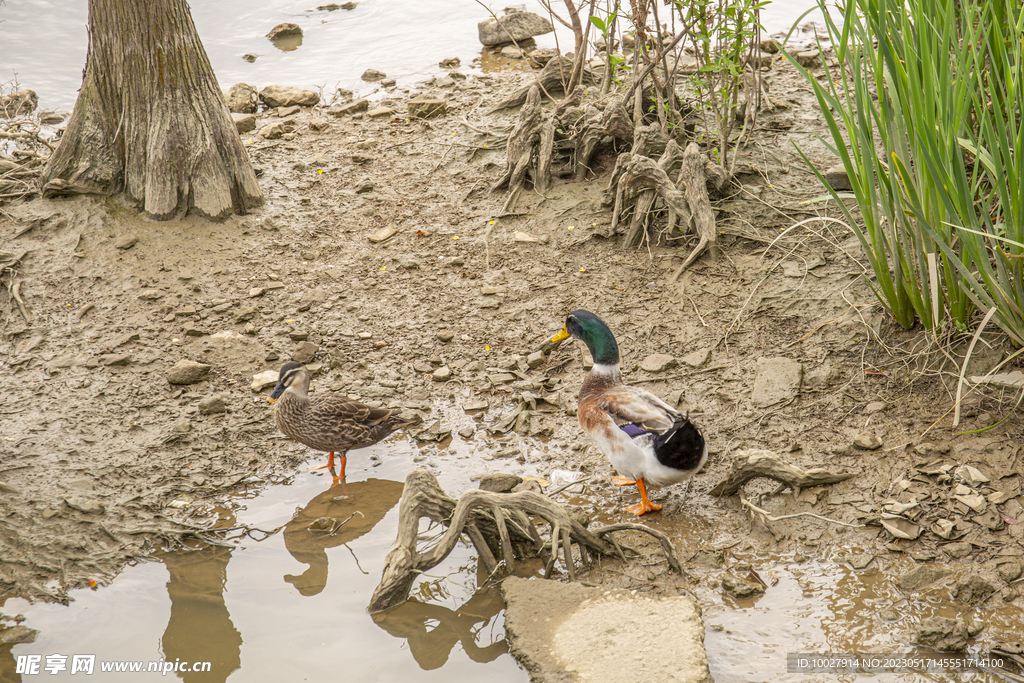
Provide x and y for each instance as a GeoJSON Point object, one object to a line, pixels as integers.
{"type": "Point", "coordinates": [974, 588]}
{"type": "Point", "coordinates": [866, 441]}
{"type": "Point", "coordinates": [921, 577]}
{"type": "Point", "coordinates": [304, 352]}
{"type": "Point", "coordinates": [125, 241]}
{"type": "Point", "coordinates": [697, 358]}
{"type": "Point", "coordinates": [958, 550]}
{"type": "Point", "coordinates": [348, 108]}
{"type": "Point", "coordinates": [272, 132]}
{"type": "Point", "coordinates": [212, 404]}
{"type": "Point", "coordinates": [150, 294]}
{"type": "Point", "coordinates": [285, 30]}
{"type": "Point", "coordinates": [244, 122]}
{"type": "Point", "coordinates": [287, 96]}
{"type": "Point", "coordinates": [188, 372]}
{"type": "Point", "coordinates": [285, 112]}
{"type": "Point", "coordinates": [658, 362]}
{"type": "Point", "coordinates": [511, 52]}
{"type": "Point", "coordinates": [567, 632]}
{"type": "Point", "coordinates": [467, 432]}
{"type": "Point", "coordinates": [516, 26]}
{"type": "Point", "coordinates": [442, 374]}
{"type": "Point", "coordinates": [499, 482]}
{"type": "Point", "coordinates": [942, 633]}
{"type": "Point", "coordinates": [449, 63]}
{"type": "Point", "coordinates": [837, 178]}
{"type": "Point", "coordinates": [89, 507]}
{"type": "Point", "coordinates": [426, 107]}
{"type": "Point", "coordinates": [874, 407]}
{"type": "Point", "coordinates": [535, 359]}
{"type": "Point", "coordinates": [242, 99]}
{"type": "Point", "coordinates": [373, 75]}
{"type": "Point", "coordinates": [116, 358]}
{"type": "Point", "coordinates": [267, 378]}
{"type": "Point", "coordinates": [776, 380]}
{"type": "Point", "coordinates": [18, 634]}
{"type": "Point", "coordinates": [1010, 571]}
{"type": "Point", "coordinates": [380, 111]}
{"type": "Point", "coordinates": [740, 588]}
{"type": "Point", "coordinates": [808, 59]}
{"type": "Point", "coordinates": [445, 336]}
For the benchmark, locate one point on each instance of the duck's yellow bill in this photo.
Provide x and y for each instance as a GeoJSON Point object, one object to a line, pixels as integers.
{"type": "Point", "coordinates": [564, 334]}
{"type": "Point", "coordinates": [270, 400]}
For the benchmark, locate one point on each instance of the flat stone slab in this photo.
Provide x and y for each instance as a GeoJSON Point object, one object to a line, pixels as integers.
{"type": "Point", "coordinates": [564, 633]}
{"type": "Point", "coordinates": [776, 380]}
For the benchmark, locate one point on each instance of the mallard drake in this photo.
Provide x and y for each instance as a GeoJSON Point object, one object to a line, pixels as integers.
{"type": "Point", "coordinates": [327, 422]}
{"type": "Point", "coordinates": [646, 440]}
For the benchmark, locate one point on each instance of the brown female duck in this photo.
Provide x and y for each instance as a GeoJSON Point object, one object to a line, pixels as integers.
{"type": "Point", "coordinates": [327, 421]}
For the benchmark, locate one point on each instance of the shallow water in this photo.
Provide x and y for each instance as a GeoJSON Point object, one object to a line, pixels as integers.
{"type": "Point", "coordinates": [403, 38]}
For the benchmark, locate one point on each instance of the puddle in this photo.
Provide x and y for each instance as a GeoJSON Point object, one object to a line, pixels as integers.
{"type": "Point", "coordinates": [291, 606]}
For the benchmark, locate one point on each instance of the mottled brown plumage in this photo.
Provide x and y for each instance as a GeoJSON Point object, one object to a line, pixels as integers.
{"type": "Point", "coordinates": [327, 421]}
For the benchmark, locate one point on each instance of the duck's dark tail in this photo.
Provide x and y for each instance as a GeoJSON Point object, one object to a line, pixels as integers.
{"type": "Point", "coordinates": [681, 446]}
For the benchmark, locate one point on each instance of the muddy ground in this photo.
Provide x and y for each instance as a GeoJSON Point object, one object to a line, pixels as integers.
{"type": "Point", "coordinates": [104, 460]}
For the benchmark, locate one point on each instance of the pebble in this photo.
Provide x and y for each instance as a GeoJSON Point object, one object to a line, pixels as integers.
{"type": "Point", "coordinates": [298, 335]}
{"type": "Point", "coordinates": [467, 432]}
{"type": "Point", "coordinates": [535, 359]}
{"type": "Point", "coordinates": [697, 358]}
{"type": "Point", "coordinates": [89, 507]}
{"type": "Point", "coordinates": [188, 372]}
{"type": "Point", "coordinates": [373, 75]}
{"type": "Point", "coordinates": [740, 588]}
{"type": "Point", "coordinates": [150, 294]}
{"type": "Point", "coordinates": [442, 374]}
{"type": "Point", "coordinates": [126, 241]}
{"type": "Point", "coordinates": [499, 482]}
{"type": "Point", "coordinates": [305, 352]}
{"type": "Point", "coordinates": [874, 407]}
{"type": "Point", "coordinates": [264, 379]}
{"type": "Point", "coordinates": [116, 359]}
{"type": "Point", "coordinates": [658, 362]}
{"type": "Point", "coordinates": [866, 441]}
{"type": "Point", "coordinates": [212, 404]}
{"type": "Point", "coordinates": [445, 336]}
{"type": "Point", "coordinates": [255, 292]}
{"type": "Point", "coordinates": [349, 108]}
{"type": "Point", "coordinates": [383, 234]}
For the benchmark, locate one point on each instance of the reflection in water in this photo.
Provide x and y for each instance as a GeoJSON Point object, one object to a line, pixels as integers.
{"type": "Point", "coordinates": [200, 628]}
{"type": "Point", "coordinates": [431, 646]}
{"type": "Point", "coordinates": [334, 517]}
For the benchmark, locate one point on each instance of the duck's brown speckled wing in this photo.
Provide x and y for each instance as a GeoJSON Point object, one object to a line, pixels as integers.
{"type": "Point", "coordinates": [626, 404]}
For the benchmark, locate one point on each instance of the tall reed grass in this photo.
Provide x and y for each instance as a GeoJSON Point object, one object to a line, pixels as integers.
{"type": "Point", "coordinates": [925, 114]}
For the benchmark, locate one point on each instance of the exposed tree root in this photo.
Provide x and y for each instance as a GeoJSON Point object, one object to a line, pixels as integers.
{"type": "Point", "coordinates": [530, 145]}
{"type": "Point", "coordinates": [752, 464]}
{"type": "Point", "coordinates": [500, 526]}
{"type": "Point", "coordinates": [550, 79]}
{"type": "Point", "coordinates": [613, 120]}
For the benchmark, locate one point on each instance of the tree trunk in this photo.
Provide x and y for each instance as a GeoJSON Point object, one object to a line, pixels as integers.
{"type": "Point", "coordinates": [150, 120]}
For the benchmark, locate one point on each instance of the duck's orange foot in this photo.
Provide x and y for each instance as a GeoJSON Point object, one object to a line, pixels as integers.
{"type": "Point", "coordinates": [643, 508]}
{"type": "Point", "coordinates": [622, 481]}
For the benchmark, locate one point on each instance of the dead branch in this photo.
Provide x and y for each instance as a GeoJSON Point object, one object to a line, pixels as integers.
{"type": "Point", "coordinates": [701, 219]}
{"type": "Point", "coordinates": [752, 464]}
{"type": "Point", "coordinates": [500, 527]}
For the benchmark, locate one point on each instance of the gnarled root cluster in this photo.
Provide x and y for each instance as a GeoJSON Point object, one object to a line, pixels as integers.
{"type": "Point", "coordinates": [502, 528]}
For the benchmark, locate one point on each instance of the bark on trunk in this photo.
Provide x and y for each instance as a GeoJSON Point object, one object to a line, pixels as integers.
{"type": "Point", "coordinates": [150, 120]}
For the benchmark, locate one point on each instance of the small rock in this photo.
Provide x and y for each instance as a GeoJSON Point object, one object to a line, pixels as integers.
{"type": "Point", "coordinates": [353, 107]}
{"type": "Point", "coordinates": [942, 633]}
{"type": "Point", "coordinates": [383, 234]}
{"type": "Point", "coordinates": [244, 314]}
{"type": "Point", "coordinates": [249, 57]}
{"type": "Point", "coordinates": [511, 52]}
{"type": "Point", "coordinates": [285, 30]}
{"type": "Point", "coordinates": [265, 379]}
{"type": "Point", "coordinates": [19, 103]}
{"type": "Point", "coordinates": [442, 374]}
{"type": "Point", "coordinates": [1010, 571]}
{"type": "Point", "coordinates": [126, 241]}
{"type": "Point", "coordinates": [150, 294]}
{"type": "Point", "coordinates": [467, 432]}
{"type": "Point", "coordinates": [541, 56]}
{"type": "Point", "coordinates": [866, 441]}
{"type": "Point", "coordinates": [380, 111]}
{"type": "Point", "coordinates": [889, 614]}
{"type": "Point", "coordinates": [116, 359]}
{"type": "Point", "coordinates": [242, 99]}
{"type": "Point", "coordinates": [535, 359]}
{"type": "Point", "coordinates": [18, 634]}
{"type": "Point", "coordinates": [373, 75]}
{"type": "Point", "coordinates": [192, 331]}
{"type": "Point", "coordinates": [517, 26]}
{"type": "Point", "coordinates": [445, 336]}
{"type": "Point", "coordinates": [212, 404]}
{"type": "Point", "coordinates": [285, 112]}
{"type": "Point", "coordinates": [741, 588]}
{"type": "Point", "coordinates": [973, 588]}
{"type": "Point", "coordinates": [256, 291]}
{"type": "Point", "coordinates": [475, 404]}
{"type": "Point", "coordinates": [874, 407]}
{"type": "Point", "coordinates": [89, 507]}
{"type": "Point", "coordinates": [958, 550]}
{"type": "Point", "coordinates": [499, 482]}
{"type": "Point", "coordinates": [188, 372]}
{"type": "Point", "coordinates": [921, 577]}
{"type": "Point", "coordinates": [449, 63]}
{"type": "Point", "coordinates": [808, 58]}
{"type": "Point", "coordinates": [695, 359]}
{"type": "Point", "coordinates": [837, 179]}
{"type": "Point", "coordinates": [298, 335]}
{"type": "Point", "coordinates": [288, 96]}
{"type": "Point", "coordinates": [861, 560]}
{"type": "Point", "coordinates": [305, 352]}
{"type": "Point", "coordinates": [658, 362]}
{"type": "Point", "coordinates": [388, 83]}
{"type": "Point", "coordinates": [272, 131]}
{"type": "Point", "coordinates": [426, 107]}
{"type": "Point", "coordinates": [364, 186]}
